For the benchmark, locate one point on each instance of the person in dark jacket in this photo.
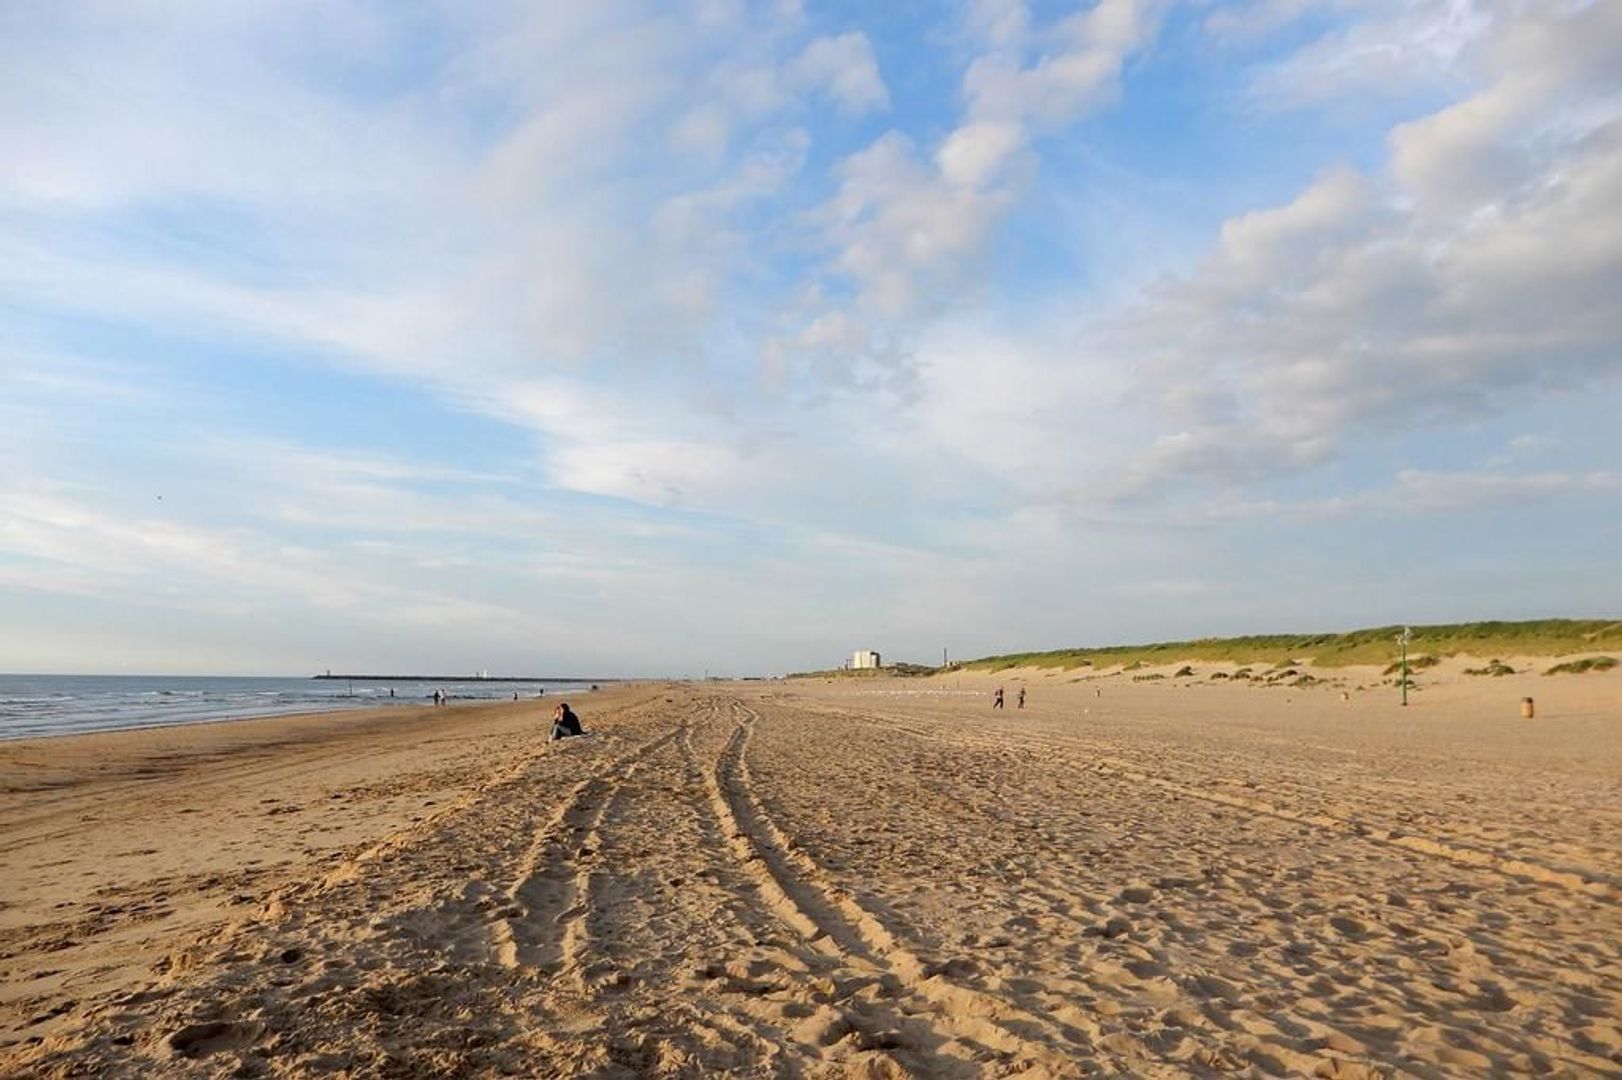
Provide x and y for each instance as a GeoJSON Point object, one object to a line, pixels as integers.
{"type": "Point", "coordinates": [564, 722]}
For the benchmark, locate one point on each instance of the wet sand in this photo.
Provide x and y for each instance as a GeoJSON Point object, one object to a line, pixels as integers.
{"type": "Point", "coordinates": [866, 877]}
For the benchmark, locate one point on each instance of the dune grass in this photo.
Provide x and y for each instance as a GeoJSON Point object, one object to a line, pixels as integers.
{"type": "Point", "coordinates": [1415, 663]}
{"type": "Point", "coordinates": [1579, 667]}
{"type": "Point", "coordinates": [1495, 668]}
{"type": "Point", "coordinates": [1376, 645]}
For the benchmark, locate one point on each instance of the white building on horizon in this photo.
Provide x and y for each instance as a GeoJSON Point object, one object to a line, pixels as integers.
{"type": "Point", "coordinates": [864, 658]}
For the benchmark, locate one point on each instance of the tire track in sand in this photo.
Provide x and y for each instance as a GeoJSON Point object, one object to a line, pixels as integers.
{"type": "Point", "coordinates": [751, 1021]}
{"type": "Point", "coordinates": [765, 998]}
{"type": "Point", "coordinates": [544, 926]}
{"type": "Point", "coordinates": [836, 923]}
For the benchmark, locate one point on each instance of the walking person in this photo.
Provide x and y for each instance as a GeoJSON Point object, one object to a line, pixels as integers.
{"type": "Point", "coordinates": [996, 699]}
{"type": "Point", "coordinates": [1022, 697]}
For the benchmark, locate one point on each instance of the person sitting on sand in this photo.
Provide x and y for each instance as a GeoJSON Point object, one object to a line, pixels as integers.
{"type": "Point", "coordinates": [564, 722]}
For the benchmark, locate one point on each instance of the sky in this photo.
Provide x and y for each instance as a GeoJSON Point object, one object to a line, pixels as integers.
{"type": "Point", "coordinates": [662, 338]}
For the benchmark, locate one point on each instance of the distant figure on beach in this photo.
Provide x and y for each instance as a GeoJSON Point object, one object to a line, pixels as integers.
{"type": "Point", "coordinates": [1022, 697]}
{"type": "Point", "coordinates": [564, 722]}
{"type": "Point", "coordinates": [391, 691]}
{"type": "Point", "coordinates": [996, 699]}
{"type": "Point", "coordinates": [439, 698]}
{"type": "Point", "coordinates": [515, 695]}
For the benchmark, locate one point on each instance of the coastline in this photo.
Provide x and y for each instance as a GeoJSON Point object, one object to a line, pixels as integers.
{"type": "Point", "coordinates": [35, 706]}
{"type": "Point", "coordinates": [352, 712]}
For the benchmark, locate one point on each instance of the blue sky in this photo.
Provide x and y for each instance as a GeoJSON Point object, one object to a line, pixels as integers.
{"type": "Point", "coordinates": [650, 338]}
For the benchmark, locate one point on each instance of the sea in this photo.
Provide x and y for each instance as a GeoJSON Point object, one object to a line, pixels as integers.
{"type": "Point", "coordinates": [36, 705]}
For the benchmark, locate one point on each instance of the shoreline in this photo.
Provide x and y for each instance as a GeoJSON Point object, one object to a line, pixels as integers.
{"type": "Point", "coordinates": [349, 711]}
{"type": "Point", "coordinates": [130, 703]}
{"type": "Point", "coordinates": [8, 740]}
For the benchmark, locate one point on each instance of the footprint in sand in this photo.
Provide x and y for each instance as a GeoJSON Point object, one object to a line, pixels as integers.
{"type": "Point", "coordinates": [210, 1037]}
{"type": "Point", "coordinates": [1349, 927]}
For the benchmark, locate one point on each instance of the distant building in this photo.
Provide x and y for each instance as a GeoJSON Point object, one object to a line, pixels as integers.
{"type": "Point", "coordinates": [864, 658]}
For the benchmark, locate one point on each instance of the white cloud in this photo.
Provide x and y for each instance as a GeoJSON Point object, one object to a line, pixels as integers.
{"type": "Point", "coordinates": [999, 23]}
{"type": "Point", "coordinates": [1036, 412]}
{"type": "Point", "coordinates": [163, 560]}
{"type": "Point", "coordinates": [1260, 249]}
{"type": "Point", "coordinates": [907, 227]}
{"type": "Point", "coordinates": [1245, 21]}
{"type": "Point", "coordinates": [1553, 75]}
{"type": "Point", "coordinates": [975, 153]}
{"type": "Point", "coordinates": [1388, 48]}
{"type": "Point", "coordinates": [412, 243]}
{"type": "Point", "coordinates": [661, 472]}
{"type": "Point", "coordinates": [1078, 66]}
{"type": "Point", "coordinates": [1420, 490]}
{"type": "Point", "coordinates": [1368, 304]}
{"type": "Point", "coordinates": [1424, 492]}
{"type": "Point", "coordinates": [843, 67]}
{"type": "Point", "coordinates": [900, 230]}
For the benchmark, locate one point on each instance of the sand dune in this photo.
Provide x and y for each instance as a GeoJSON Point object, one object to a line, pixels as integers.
{"type": "Point", "coordinates": [883, 878]}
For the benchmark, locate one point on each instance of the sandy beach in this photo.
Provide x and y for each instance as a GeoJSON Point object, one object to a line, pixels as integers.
{"type": "Point", "coordinates": [865, 877]}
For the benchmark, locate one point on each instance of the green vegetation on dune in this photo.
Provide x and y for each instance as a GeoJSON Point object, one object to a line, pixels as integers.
{"type": "Point", "coordinates": [1494, 668]}
{"type": "Point", "coordinates": [1415, 663]}
{"type": "Point", "coordinates": [1540, 637]}
{"type": "Point", "coordinates": [1579, 667]}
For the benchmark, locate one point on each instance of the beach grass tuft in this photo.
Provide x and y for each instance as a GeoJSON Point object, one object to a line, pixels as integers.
{"type": "Point", "coordinates": [1415, 663]}
{"type": "Point", "coordinates": [1580, 667]}
{"type": "Point", "coordinates": [1494, 668]}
